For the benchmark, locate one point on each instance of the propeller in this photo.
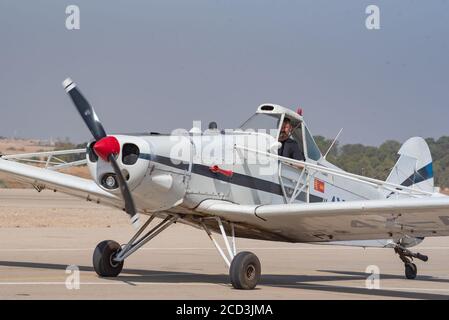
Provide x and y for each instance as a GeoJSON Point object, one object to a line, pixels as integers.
{"type": "Point", "coordinates": [106, 147]}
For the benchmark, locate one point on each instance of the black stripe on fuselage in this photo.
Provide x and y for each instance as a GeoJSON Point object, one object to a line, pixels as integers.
{"type": "Point", "coordinates": [168, 162]}
{"type": "Point", "coordinates": [237, 178]}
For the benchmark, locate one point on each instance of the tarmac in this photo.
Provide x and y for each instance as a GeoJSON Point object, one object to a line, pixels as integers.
{"type": "Point", "coordinates": [46, 237]}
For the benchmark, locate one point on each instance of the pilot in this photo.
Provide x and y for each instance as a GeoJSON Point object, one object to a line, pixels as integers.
{"type": "Point", "coordinates": [289, 147]}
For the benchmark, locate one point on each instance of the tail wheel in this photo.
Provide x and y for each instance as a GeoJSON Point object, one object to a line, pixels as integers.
{"type": "Point", "coordinates": [245, 271]}
{"type": "Point", "coordinates": [410, 270]}
{"type": "Point", "coordinates": [103, 262]}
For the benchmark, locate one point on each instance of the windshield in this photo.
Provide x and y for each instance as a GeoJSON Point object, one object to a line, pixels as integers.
{"type": "Point", "coordinates": [263, 123]}
{"type": "Point", "coordinates": [312, 149]}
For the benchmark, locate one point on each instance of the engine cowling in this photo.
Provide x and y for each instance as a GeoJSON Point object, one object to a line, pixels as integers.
{"type": "Point", "coordinates": [132, 158]}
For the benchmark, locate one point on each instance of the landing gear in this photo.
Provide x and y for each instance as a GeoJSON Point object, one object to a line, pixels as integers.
{"type": "Point", "coordinates": [109, 256]}
{"type": "Point", "coordinates": [244, 267]}
{"type": "Point", "coordinates": [407, 257]}
{"type": "Point", "coordinates": [410, 270]}
{"type": "Point", "coordinates": [245, 271]}
{"type": "Point", "coordinates": [103, 259]}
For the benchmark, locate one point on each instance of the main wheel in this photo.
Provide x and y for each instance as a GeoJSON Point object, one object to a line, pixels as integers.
{"type": "Point", "coordinates": [245, 271]}
{"type": "Point", "coordinates": [410, 270]}
{"type": "Point", "coordinates": [103, 259]}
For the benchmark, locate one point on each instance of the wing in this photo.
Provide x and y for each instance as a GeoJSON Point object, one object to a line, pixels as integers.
{"type": "Point", "coordinates": [339, 221]}
{"type": "Point", "coordinates": [42, 178]}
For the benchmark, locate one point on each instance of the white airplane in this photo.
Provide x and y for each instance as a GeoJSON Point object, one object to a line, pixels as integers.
{"type": "Point", "coordinates": [236, 184]}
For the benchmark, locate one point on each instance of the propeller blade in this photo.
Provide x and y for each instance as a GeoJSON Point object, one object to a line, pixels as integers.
{"type": "Point", "coordinates": [107, 147]}
{"type": "Point", "coordinates": [130, 208]}
{"type": "Point", "coordinates": [84, 108]}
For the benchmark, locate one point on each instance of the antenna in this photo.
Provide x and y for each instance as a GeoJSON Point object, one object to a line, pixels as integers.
{"type": "Point", "coordinates": [332, 144]}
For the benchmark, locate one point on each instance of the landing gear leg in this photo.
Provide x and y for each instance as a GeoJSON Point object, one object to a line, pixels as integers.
{"type": "Point", "coordinates": [109, 256]}
{"type": "Point", "coordinates": [244, 267]}
{"type": "Point", "coordinates": [407, 257]}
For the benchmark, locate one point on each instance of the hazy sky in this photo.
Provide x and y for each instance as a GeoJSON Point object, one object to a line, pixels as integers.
{"type": "Point", "coordinates": [158, 65]}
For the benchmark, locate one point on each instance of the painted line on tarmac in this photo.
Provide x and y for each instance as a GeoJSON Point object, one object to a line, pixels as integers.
{"type": "Point", "coordinates": [211, 248]}
{"type": "Point", "coordinates": [106, 283]}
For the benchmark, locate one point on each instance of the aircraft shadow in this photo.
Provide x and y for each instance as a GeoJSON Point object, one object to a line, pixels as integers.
{"type": "Point", "coordinates": [362, 275]}
{"type": "Point", "coordinates": [303, 282]}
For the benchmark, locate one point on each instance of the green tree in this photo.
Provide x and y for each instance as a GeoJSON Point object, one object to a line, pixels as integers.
{"type": "Point", "coordinates": [377, 162]}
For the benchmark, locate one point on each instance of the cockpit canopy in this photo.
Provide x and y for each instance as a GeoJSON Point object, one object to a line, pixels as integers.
{"type": "Point", "coordinates": [263, 123]}
{"type": "Point", "coordinates": [268, 119]}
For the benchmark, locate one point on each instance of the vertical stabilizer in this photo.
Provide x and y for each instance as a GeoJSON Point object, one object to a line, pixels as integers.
{"type": "Point", "coordinates": [414, 167]}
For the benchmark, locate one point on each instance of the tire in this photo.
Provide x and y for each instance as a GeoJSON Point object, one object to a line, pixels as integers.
{"type": "Point", "coordinates": [410, 270]}
{"type": "Point", "coordinates": [102, 259]}
{"type": "Point", "coordinates": [245, 271]}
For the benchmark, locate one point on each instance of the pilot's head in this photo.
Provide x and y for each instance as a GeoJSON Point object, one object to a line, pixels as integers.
{"type": "Point", "coordinates": [286, 129]}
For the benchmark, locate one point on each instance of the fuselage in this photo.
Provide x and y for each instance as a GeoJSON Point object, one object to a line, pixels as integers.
{"type": "Point", "coordinates": [176, 172]}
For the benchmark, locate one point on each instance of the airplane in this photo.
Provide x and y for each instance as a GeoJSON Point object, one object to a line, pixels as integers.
{"type": "Point", "coordinates": [234, 183]}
